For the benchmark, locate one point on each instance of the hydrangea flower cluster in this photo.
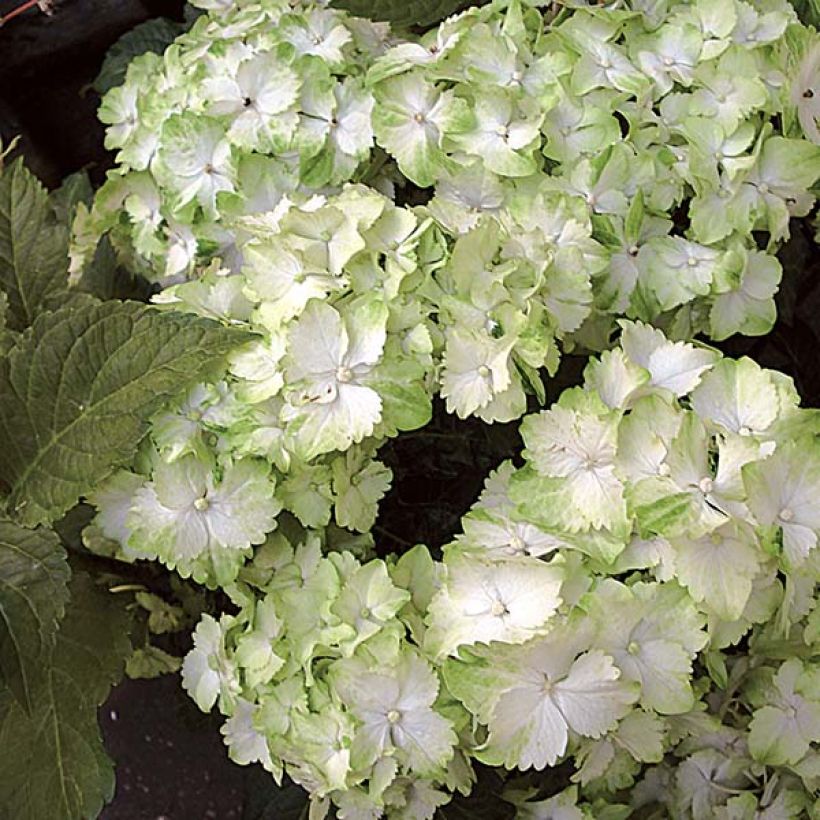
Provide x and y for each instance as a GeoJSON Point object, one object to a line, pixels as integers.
{"type": "Point", "coordinates": [658, 121]}
{"type": "Point", "coordinates": [318, 678]}
{"type": "Point", "coordinates": [255, 101]}
{"type": "Point", "coordinates": [664, 515]}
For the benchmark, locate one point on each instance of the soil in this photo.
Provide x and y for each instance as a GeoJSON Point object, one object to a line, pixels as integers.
{"type": "Point", "coordinates": [170, 760]}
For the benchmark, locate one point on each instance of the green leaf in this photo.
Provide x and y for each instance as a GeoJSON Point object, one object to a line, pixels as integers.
{"type": "Point", "coordinates": [33, 592]}
{"type": "Point", "coordinates": [53, 763]}
{"type": "Point", "coordinates": [33, 246]}
{"type": "Point", "coordinates": [414, 13]}
{"type": "Point", "coordinates": [76, 392]}
{"type": "Point", "coordinates": [152, 35]}
{"type": "Point", "coordinates": [76, 188]}
{"type": "Point", "coordinates": [151, 662]}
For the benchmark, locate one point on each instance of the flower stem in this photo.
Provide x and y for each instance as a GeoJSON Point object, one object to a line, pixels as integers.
{"type": "Point", "coordinates": [19, 10]}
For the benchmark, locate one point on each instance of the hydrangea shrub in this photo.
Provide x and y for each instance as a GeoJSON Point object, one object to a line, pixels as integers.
{"type": "Point", "coordinates": [343, 223]}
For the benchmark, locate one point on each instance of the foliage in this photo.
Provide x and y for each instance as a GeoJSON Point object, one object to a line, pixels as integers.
{"type": "Point", "coordinates": [627, 618]}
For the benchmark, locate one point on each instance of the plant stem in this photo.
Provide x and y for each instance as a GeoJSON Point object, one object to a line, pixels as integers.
{"type": "Point", "coordinates": [19, 10]}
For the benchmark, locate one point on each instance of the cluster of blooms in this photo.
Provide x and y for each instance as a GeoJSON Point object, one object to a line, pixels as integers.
{"type": "Point", "coordinates": [343, 360]}
{"type": "Point", "coordinates": [656, 121]}
{"type": "Point", "coordinates": [318, 677]}
{"type": "Point", "coordinates": [674, 131]}
{"type": "Point", "coordinates": [666, 513]}
{"type": "Point", "coordinates": [256, 100]}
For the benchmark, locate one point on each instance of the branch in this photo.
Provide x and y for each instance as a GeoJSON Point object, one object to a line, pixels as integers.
{"type": "Point", "coordinates": [46, 6]}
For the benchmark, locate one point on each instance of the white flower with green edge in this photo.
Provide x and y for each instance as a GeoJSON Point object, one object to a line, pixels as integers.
{"type": "Point", "coordinates": [119, 111]}
{"type": "Point", "coordinates": [718, 568]}
{"type": "Point", "coordinates": [180, 431]}
{"type": "Point", "coordinates": [463, 194]}
{"type": "Point", "coordinates": [337, 133]}
{"type": "Point", "coordinates": [476, 369]}
{"type": "Point", "coordinates": [258, 368]}
{"type": "Point", "coordinates": [573, 446]}
{"type": "Point", "coordinates": [804, 91]}
{"type": "Point", "coordinates": [673, 271]}
{"type": "Point", "coordinates": [328, 230]}
{"type": "Point", "coordinates": [305, 606]}
{"type": "Point", "coordinates": [194, 161]}
{"type": "Point", "coordinates": [394, 709]}
{"type": "Point", "coordinates": [748, 308]}
{"type": "Point", "coordinates": [782, 731]}
{"type": "Point", "coordinates": [215, 293]}
{"type": "Point", "coordinates": [254, 653]}
{"type": "Point", "coordinates": [208, 673]}
{"type": "Point", "coordinates": [614, 759]}
{"type": "Point", "coordinates": [113, 499]}
{"type": "Point", "coordinates": [426, 51]}
{"type": "Point", "coordinates": [183, 513]}
{"type": "Point", "coordinates": [617, 380]}
{"type": "Point", "coordinates": [715, 212]}
{"type": "Point", "coordinates": [317, 750]}
{"type": "Point", "coordinates": [245, 743]}
{"type": "Point", "coordinates": [782, 494]}
{"type": "Point", "coordinates": [716, 21]}
{"type": "Point", "coordinates": [318, 32]}
{"type": "Point", "coordinates": [390, 254]}
{"type": "Point", "coordinates": [603, 65]}
{"type": "Point", "coordinates": [729, 90]}
{"type": "Point", "coordinates": [281, 279]}
{"type": "Point", "coordinates": [755, 28]}
{"type": "Point", "coordinates": [761, 608]}
{"type": "Point", "coordinates": [493, 533]}
{"type": "Point", "coordinates": [367, 602]}
{"type": "Point", "coordinates": [483, 600]}
{"type": "Point", "coordinates": [714, 149]}
{"type": "Point", "coordinates": [329, 358]}
{"type": "Point", "coordinates": [531, 697]}
{"type": "Point", "coordinates": [305, 491]}
{"type": "Point", "coordinates": [676, 367]}
{"type": "Point", "coordinates": [577, 127]}
{"type": "Point", "coordinates": [504, 135]}
{"type": "Point", "coordinates": [670, 55]}
{"type": "Point", "coordinates": [704, 780]}
{"type": "Point", "coordinates": [414, 799]}
{"type": "Point", "coordinates": [358, 485]}
{"type": "Point", "coordinates": [411, 120]}
{"type": "Point", "coordinates": [653, 633]}
{"type": "Point", "coordinates": [683, 498]}
{"type": "Point", "coordinates": [738, 396]}
{"type": "Point", "coordinates": [601, 181]}
{"type": "Point", "coordinates": [778, 187]}
{"type": "Point", "coordinates": [787, 803]}
{"type": "Point", "coordinates": [258, 98]}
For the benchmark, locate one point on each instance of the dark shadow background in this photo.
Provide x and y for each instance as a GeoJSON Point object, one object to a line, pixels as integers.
{"type": "Point", "coordinates": [171, 763]}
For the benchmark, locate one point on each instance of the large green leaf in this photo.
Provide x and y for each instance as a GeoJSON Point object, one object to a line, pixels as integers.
{"type": "Point", "coordinates": [412, 13]}
{"type": "Point", "coordinates": [152, 35]}
{"type": "Point", "coordinates": [33, 592]}
{"type": "Point", "coordinates": [53, 765]}
{"type": "Point", "coordinates": [33, 246]}
{"type": "Point", "coordinates": [76, 392]}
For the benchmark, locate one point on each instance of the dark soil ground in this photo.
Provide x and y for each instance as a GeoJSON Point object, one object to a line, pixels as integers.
{"type": "Point", "coordinates": [171, 763]}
